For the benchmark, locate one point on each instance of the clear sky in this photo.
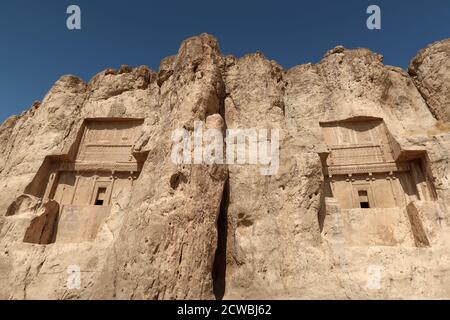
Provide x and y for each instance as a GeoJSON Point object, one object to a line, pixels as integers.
{"type": "Point", "coordinates": [37, 48]}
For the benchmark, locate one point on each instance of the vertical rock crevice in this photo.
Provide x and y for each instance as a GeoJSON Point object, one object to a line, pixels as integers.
{"type": "Point", "coordinates": [219, 267]}
{"type": "Point", "coordinates": [220, 259]}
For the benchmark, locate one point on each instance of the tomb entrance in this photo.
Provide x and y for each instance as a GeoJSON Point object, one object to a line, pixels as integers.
{"type": "Point", "coordinates": [366, 170]}
{"type": "Point", "coordinates": [101, 165]}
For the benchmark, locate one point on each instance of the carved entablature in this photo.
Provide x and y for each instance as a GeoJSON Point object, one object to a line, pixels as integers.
{"type": "Point", "coordinates": [364, 166]}
{"type": "Point", "coordinates": [97, 166]}
{"type": "Point", "coordinates": [370, 168]}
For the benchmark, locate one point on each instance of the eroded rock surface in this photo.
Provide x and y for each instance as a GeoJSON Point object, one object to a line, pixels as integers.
{"type": "Point", "coordinates": [89, 186]}
{"type": "Point", "coordinates": [430, 70]}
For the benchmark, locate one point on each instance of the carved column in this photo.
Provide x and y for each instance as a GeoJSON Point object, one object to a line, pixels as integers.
{"type": "Point", "coordinates": [77, 178]}
{"type": "Point", "coordinates": [416, 175]}
{"type": "Point", "coordinates": [374, 203]}
{"type": "Point", "coordinates": [113, 178]}
{"type": "Point", "coordinates": [332, 181]}
{"type": "Point", "coordinates": [94, 180]}
{"type": "Point", "coordinates": [52, 182]}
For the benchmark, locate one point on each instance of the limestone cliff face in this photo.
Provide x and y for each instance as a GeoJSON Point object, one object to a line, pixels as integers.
{"type": "Point", "coordinates": [205, 231]}
{"type": "Point", "coordinates": [430, 71]}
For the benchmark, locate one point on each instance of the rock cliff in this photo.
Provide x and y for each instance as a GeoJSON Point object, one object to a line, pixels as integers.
{"type": "Point", "coordinates": [204, 231]}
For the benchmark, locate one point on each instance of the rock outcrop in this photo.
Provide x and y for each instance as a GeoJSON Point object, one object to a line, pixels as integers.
{"type": "Point", "coordinates": [93, 205]}
{"type": "Point", "coordinates": [430, 71]}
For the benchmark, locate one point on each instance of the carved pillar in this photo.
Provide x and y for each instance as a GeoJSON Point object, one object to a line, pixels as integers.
{"type": "Point", "coordinates": [62, 195]}
{"type": "Point", "coordinates": [374, 203]}
{"type": "Point", "coordinates": [350, 180]}
{"type": "Point", "coordinates": [113, 178]}
{"type": "Point", "coordinates": [392, 178]}
{"type": "Point", "coordinates": [52, 182]}
{"type": "Point", "coordinates": [131, 177]}
{"type": "Point", "coordinates": [417, 179]}
{"type": "Point", "coordinates": [402, 194]}
{"type": "Point", "coordinates": [77, 178]}
{"type": "Point", "coordinates": [94, 180]}
{"type": "Point", "coordinates": [332, 181]}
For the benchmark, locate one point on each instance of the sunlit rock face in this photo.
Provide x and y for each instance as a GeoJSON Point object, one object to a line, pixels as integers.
{"type": "Point", "coordinates": [430, 71]}
{"type": "Point", "coordinates": [94, 206]}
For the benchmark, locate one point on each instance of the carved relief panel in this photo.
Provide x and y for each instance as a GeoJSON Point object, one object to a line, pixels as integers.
{"type": "Point", "coordinates": [105, 138]}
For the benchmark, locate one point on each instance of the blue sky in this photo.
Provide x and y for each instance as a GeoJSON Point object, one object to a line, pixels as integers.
{"type": "Point", "coordinates": [37, 48]}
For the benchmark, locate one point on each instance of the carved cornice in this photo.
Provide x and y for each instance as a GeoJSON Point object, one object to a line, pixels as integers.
{"type": "Point", "coordinates": [370, 168]}
{"type": "Point", "coordinates": [98, 166]}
